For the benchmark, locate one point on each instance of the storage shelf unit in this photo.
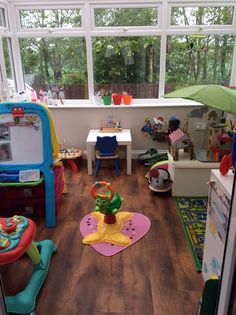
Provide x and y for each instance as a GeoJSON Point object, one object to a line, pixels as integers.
{"type": "Point", "coordinates": [219, 199]}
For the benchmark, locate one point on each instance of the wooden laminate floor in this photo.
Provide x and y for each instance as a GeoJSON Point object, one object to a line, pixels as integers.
{"type": "Point", "coordinates": [155, 276]}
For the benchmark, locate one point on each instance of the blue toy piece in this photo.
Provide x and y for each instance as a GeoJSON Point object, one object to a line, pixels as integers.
{"type": "Point", "coordinates": [9, 176]}
{"type": "Point", "coordinates": [45, 165]}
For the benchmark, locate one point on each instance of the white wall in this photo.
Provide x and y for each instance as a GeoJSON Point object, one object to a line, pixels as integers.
{"type": "Point", "coordinates": [73, 124]}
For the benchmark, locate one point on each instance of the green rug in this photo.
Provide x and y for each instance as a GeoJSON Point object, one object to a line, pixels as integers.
{"type": "Point", "coordinates": [193, 214]}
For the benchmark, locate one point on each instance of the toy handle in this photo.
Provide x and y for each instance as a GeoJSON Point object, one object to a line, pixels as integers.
{"type": "Point", "coordinates": [109, 187]}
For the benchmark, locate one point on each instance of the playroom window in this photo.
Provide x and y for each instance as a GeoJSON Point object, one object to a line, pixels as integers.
{"type": "Point", "coordinates": [204, 59]}
{"type": "Point", "coordinates": [6, 42]}
{"type": "Point", "coordinates": [191, 16]}
{"type": "Point", "coordinates": [115, 17]}
{"type": "Point", "coordinates": [129, 64]}
{"type": "Point", "coordinates": [56, 63]}
{"type": "Point", "coordinates": [143, 48]}
{"type": "Point", "coordinates": [2, 18]}
{"type": "Point", "coordinates": [50, 18]}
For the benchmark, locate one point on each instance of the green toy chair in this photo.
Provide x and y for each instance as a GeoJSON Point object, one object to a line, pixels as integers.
{"type": "Point", "coordinates": [106, 149]}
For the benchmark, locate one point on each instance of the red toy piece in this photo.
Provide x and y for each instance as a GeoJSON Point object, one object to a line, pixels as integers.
{"type": "Point", "coordinates": [17, 112]}
{"type": "Point", "coordinates": [225, 164]}
{"type": "Point", "coordinates": [9, 226]}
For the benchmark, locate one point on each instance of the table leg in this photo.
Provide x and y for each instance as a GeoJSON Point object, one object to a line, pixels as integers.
{"type": "Point", "coordinates": [89, 159]}
{"type": "Point", "coordinates": [129, 159]}
{"type": "Point", "coordinates": [73, 165]}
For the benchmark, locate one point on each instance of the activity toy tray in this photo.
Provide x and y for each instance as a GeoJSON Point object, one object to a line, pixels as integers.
{"type": "Point", "coordinates": [105, 129]}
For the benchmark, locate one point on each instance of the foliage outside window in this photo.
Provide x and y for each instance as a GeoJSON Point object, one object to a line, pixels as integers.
{"type": "Point", "coordinates": [129, 64]}
{"type": "Point", "coordinates": [190, 16]}
{"type": "Point", "coordinates": [56, 18]}
{"type": "Point", "coordinates": [198, 60]}
{"type": "Point", "coordinates": [54, 63]}
{"type": "Point", "coordinates": [126, 17]}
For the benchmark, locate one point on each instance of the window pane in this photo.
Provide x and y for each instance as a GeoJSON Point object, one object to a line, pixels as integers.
{"type": "Point", "coordinates": [129, 64]}
{"type": "Point", "coordinates": [6, 50]}
{"type": "Point", "coordinates": [126, 17]}
{"type": "Point", "coordinates": [54, 63]}
{"type": "Point", "coordinates": [6, 42]}
{"type": "Point", "coordinates": [198, 60]}
{"type": "Point", "coordinates": [2, 18]}
{"type": "Point", "coordinates": [191, 16]}
{"type": "Point", "coordinates": [50, 18]}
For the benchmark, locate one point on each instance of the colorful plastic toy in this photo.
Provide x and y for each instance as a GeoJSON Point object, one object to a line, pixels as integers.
{"type": "Point", "coordinates": [72, 156]}
{"type": "Point", "coordinates": [110, 223]}
{"type": "Point", "coordinates": [108, 204]}
{"type": "Point", "coordinates": [17, 237]}
{"type": "Point", "coordinates": [106, 229]}
{"type": "Point", "coordinates": [229, 160]}
{"type": "Point", "coordinates": [159, 177]}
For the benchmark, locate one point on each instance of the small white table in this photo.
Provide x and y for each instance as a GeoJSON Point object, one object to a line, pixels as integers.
{"type": "Point", "coordinates": [123, 138]}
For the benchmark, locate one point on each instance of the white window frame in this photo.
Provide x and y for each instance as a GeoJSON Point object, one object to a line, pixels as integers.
{"type": "Point", "coordinates": [89, 30]}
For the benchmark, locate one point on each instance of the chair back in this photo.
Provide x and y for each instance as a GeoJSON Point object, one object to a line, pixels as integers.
{"type": "Point", "coordinates": [106, 145]}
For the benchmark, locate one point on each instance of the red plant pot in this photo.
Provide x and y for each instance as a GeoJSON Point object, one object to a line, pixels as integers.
{"type": "Point", "coordinates": [117, 98]}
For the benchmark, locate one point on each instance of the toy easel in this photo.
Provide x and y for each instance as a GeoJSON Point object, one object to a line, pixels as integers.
{"type": "Point", "coordinates": [34, 149]}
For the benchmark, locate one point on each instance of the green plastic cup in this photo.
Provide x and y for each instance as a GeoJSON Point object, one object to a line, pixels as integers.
{"type": "Point", "coordinates": [106, 99]}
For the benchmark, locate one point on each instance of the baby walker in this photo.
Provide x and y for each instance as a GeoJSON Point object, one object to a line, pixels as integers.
{"type": "Point", "coordinates": [17, 237]}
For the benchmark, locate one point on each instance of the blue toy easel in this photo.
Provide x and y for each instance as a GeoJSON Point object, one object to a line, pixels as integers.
{"type": "Point", "coordinates": [45, 161]}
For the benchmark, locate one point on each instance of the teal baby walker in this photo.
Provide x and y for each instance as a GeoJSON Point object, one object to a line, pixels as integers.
{"type": "Point", "coordinates": [16, 238]}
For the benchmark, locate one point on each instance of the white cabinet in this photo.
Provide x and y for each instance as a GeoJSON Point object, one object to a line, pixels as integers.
{"type": "Point", "coordinates": [220, 189]}
{"type": "Point", "coordinates": [190, 177]}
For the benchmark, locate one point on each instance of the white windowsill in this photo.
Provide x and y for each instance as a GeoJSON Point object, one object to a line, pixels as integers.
{"type": "Point", "coordinates": [157, 103]}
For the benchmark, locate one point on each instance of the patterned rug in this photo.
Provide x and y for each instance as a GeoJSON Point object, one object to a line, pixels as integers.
{"type": "Point", "coordinates": [193, 214]}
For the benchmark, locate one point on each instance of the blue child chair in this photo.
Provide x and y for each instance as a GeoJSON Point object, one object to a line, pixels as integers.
{"type": "Point", "coordinates": [106, 149]}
